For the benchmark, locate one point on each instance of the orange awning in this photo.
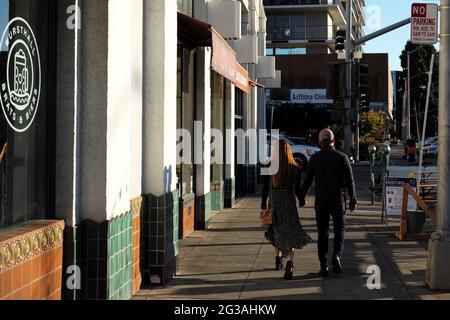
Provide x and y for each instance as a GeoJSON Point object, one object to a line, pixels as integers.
{"type": "Point", "coordinates": [256, 84]}
{"type": "Point", "coordinates": [242, 79]}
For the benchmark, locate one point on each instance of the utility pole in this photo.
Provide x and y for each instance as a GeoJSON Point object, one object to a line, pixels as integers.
{"type": "Point", "coordinates": [349, 48]}
{"type": "Point", "coordinates": [348, 99]}
{"type": "Point", "coordinates": [409, 97]}
{"type": "Point", "coordinates": [438, 277]}
{"type": "Point", "coordinates": [358, 105]}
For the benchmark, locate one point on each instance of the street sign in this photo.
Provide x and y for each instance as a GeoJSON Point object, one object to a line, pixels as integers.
{"type": "Point", "coordinates": [394, 196]}
{"type": "Point", "coordinates": [424, 23]}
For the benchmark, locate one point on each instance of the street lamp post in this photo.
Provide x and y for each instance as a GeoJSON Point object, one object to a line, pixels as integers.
{"type": "Point", "coordinates": [408, 130]}
{"type": "Point", "coordinates": [348, 99]}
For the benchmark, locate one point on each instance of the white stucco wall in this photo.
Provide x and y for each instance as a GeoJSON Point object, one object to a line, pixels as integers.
{"type": "Point", "coordinates": [93, 110]}
{"type": "Point", "coordinates": [119, 108]}
{"type": "Point", "coordinates": [67, 107]}
{"type": "Point", "coordinates": [136, 99]}
{"type": "Point", "coordinates": [230, 111]}
{"type": "Point", "coordinates": [124, 158]}
{"type": "Point", "coordinates": [203, 170]}
{"type": "Point", "coordinates": [159, 104]}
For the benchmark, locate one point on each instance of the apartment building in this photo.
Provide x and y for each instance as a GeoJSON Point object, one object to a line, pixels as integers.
{"type": "Point", "coordinates": [309, 26]}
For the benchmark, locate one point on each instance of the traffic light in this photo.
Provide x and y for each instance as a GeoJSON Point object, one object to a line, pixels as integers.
{"type": "Point", "coordinates": [364, 103]}
{"type": "Point", "coordinates": [364, 88]}
{"type": "Point", "coordinates": [341, 36]}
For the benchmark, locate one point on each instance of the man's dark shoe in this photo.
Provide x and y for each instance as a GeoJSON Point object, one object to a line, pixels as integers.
{"type": "Point", "coordinates": [337, 265]}
{"type": "Point", "coordinates": [324, 272]}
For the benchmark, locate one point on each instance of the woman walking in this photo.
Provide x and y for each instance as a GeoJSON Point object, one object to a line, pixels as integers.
{"type": "Point", "coordinates": [286, 232]}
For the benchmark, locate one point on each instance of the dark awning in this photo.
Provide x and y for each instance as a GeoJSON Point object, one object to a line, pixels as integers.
{"type": "Point", "coordinates": [193, 32]}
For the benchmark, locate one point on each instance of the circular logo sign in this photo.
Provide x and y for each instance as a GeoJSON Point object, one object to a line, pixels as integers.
{"type": "Point", "coordinates": [21, 88]}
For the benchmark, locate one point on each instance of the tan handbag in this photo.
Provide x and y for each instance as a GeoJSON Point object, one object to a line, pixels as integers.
{"type": "Point", "coordinates": [266, 218]}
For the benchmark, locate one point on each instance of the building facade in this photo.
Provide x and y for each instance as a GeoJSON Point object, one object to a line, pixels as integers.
{"type": "Point", "coordinates": [96, 191]}
{"type": "Point", "coordinates": [312, 99]}
{"type": "Point", "coordinates": [309, 26]}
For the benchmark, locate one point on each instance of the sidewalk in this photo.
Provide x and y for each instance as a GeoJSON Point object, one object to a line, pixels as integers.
{"type": "Point", "coordinates": [233, 261]}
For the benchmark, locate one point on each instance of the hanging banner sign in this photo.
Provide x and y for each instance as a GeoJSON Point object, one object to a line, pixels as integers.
{"type": "Point", "coordinates": [424, 23]}
{"type": "Point", "coordinates": [20, 89]}
{"type": "Point", "coordinates": [224, 58]}
{"type": "Point", "coordinates": [242, 79]}
{"type": "Point", "coordinates": [308, 96]}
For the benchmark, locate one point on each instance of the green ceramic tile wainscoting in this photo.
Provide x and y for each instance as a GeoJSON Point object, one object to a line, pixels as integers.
{"type": "Point", "coordinates": [161, 231]}
{"type": "Point", "coordinates": [217, 196]}
{"type": "Point", "coordinates": [120, 245]}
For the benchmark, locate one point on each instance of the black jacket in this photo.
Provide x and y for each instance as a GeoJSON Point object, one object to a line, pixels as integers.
{"type": "Point", "coordinates": [267, 180]}
{"type": "Point", "coordinates": [333, 174]}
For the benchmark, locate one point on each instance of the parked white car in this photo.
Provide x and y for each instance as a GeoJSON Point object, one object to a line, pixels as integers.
{"type": "Point", "coordinates": [428, 142]}
{"type": "Point", "coordinates": [302, 152]}
{"type": "Point", "coordinates": [431, 150]}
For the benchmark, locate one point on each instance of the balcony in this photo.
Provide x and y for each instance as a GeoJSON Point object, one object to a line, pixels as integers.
{"type": "Point", "coordinates": [305, 33]}
{"type": "Point", "coordinates": [298, 2]}
{"type": "Point", "coordinates": [333, 7]}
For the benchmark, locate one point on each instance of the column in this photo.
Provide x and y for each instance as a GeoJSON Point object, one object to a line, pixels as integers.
{"type": "Point", "coordinates": [438, 277]}
{"type": "Point", "coordinates": [67, 144]}
{"type": "Point", "coordinates": [202, 140]}
{"type": "Point", "coordinates": [230, 112]}
{"type": "Point", "coordinates": [159, 141]}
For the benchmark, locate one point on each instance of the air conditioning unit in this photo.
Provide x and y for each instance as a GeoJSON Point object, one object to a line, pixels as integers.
{"type": "Point", "coordinates": [265, 67]}
{"type": "Point", "coordinates": [274, 83]}
{"type": "Point", "coordinates": [246, 49]}
{"type": "Point", "coordinates": [225, 17]}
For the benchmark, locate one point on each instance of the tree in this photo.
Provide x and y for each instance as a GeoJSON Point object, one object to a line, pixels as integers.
{"type": "Point", "coordinates": [373, 128]}
{"type": "Point", "coordinates": [420, 65]}
{"type": "Point", "coordinates": [373, 125]}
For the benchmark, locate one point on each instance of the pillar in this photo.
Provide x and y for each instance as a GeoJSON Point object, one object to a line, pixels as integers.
{"type": "Point", "coordinates": [159, 141]}
{"type": "Point", "coordinates": [230, 112]}
{"type": "Point", "coordinates": [202, 140]}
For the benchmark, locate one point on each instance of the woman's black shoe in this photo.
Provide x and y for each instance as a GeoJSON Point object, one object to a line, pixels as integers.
{"type": "Point", "coordinates": [337, 265]}
{"type": "Point", "coordinates": [289, 271]}
{"type": "Point", "coordinates": [324, 271]}
{"type": "Point", "coordinates": [279, 263]}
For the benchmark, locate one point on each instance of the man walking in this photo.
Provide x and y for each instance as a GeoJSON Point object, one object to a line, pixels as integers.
{"type": "Point", "coordinates": [333, 174]}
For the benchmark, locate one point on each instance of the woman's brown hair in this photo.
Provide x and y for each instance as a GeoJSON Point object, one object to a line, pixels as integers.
{"type": "Point", "coordinates": [288, 168]}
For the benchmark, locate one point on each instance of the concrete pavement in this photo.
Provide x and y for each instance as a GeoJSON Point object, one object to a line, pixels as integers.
{"type": "Point", "coordinates": [233, 261]}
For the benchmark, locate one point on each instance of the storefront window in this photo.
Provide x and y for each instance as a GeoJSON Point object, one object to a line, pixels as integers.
{"type": "Point", "coordinates": [25, 140]}
{"type": "Point", "coordinates": [185, 118]}
{"type": "Point", "coordinates": [217, 123]}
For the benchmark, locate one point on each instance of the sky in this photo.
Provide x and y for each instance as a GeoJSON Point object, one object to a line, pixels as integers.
{"type": "Point", "coordinates": [382, 13]}
{"type": "Point", "coordinates": [3, 16]}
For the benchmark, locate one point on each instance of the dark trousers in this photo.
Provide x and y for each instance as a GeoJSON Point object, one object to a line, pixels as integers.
{"type": "Point", "coordinates": [324, 210]}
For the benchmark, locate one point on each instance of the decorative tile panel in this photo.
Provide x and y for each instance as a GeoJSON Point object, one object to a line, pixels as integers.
{"type": "Point", "coordinates": [31, 261]}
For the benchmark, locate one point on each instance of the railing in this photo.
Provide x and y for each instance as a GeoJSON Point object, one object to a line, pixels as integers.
{"type": "Point", "coordinates": [426, 199]}
{"type": "Point", "coordinates": [287, 33]}
{"type": "Point", "coordinates": [297, 2]}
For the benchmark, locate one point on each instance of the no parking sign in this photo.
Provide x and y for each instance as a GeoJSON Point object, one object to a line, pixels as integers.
{"type": "Point", "coordinates": [424, 23]}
